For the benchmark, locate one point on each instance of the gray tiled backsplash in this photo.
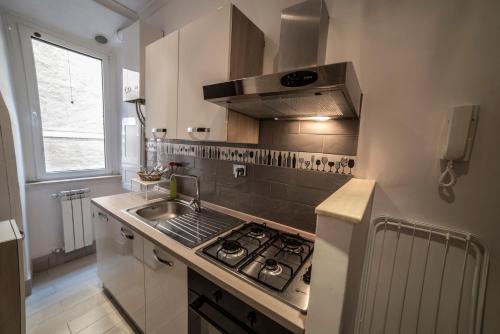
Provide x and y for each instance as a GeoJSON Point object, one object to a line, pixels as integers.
{"type": "Point", "coordinates": [340, 144]}
{"type": "Point", "coordinates": [333, 137]}
{"type": "Point", "coordinates": [338, 127]}
{"type": "Point", "coordinates": [302, 136]}
{"type": "Point", "coordinates": [297, 142]}
{"type": "Point", "coordinates": [285, 195]}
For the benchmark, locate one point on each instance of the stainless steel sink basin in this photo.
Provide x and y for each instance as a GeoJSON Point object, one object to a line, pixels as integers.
{"type": "Point", "coordinates": [178, 220]}
{"type": "Point", "coordinates": [163, 210]}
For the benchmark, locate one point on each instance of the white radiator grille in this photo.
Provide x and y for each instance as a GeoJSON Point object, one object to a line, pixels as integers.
{"type": "Point", "coordinates": [421, 279]}
{"type": "Point", "coordinates": [77, 222]}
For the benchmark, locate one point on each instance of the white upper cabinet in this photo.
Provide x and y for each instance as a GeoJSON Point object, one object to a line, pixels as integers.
{"type": "Point", "coordinates": [218, 47]}
{"type": "Point", "coordinates": [162, 67]}
{"type": "Point", "coordinates": [132, 59]}
{"type": "Point", "coordinates": [203, 59]}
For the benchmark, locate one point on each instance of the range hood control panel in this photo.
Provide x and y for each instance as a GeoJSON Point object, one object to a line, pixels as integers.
{"type": "Point", "coordinates": [299, 78]}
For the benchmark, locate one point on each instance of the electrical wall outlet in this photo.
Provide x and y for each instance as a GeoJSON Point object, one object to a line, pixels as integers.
{"type": "Point", "coordinates": [239, 170]}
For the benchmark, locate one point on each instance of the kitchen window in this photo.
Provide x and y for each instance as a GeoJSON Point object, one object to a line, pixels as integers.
{"type": "Point", "coordinates": [67, 91]}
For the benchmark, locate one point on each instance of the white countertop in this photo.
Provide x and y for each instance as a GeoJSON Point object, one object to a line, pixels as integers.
{"type": "Point", "coordinates": [349, 202]}
{"type": "Point", "coordinates": [275, 309]}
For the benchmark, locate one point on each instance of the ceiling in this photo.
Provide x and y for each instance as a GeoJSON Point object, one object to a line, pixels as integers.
{"type": "Point", "coordinates": [135, 5]}
{"type": "Point", "coordinates": [81, 18]}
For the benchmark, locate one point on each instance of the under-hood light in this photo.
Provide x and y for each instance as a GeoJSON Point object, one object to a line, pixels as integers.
{"type": "Point", "coordinates": [309, 118]}
{"type": "Point", "coordinates": [318, 118]}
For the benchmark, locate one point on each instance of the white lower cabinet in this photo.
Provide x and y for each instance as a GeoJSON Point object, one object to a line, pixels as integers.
{"type": "Point", "coordinates": [120, 264]}
{"type": "Point", "coordinates": [148, 282]}
{"type": "Point", "coordinates": [166, 292]}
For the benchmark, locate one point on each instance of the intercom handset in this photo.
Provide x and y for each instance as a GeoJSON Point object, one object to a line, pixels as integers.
{"type": "Point", "coordinates": [457, 141]}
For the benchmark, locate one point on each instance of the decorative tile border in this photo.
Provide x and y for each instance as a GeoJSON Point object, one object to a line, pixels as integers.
{"type": "Point", "coordinates": [320, 162]}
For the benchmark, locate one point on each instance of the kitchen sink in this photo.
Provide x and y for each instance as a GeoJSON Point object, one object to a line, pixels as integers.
{"type": "Point", "coordinates": [163, 210]}
{"type": "Point", "coordinates": [180, 221]}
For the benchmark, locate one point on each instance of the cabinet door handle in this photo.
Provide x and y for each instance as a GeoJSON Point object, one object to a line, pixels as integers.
{"type": "Point", "coordinates": [159, 133]}
{"type": "Point", "coordinates": [102, 216]}
{"type": "Point", "coordinates": [159, 259]}
{"type": "Point", "coordinates": [125, 235]}
{"type": "Point", "coordinates": [200, 129]}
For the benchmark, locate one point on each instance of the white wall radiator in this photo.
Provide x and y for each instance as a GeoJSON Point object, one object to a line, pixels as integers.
{"type": "Point", "coordinates": [76, 217]}
{"type": "Point", "coordinates": [422, 279]}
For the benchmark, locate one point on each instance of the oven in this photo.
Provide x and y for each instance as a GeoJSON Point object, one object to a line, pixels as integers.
{"type": "Point", "coordinates": [213, 310]}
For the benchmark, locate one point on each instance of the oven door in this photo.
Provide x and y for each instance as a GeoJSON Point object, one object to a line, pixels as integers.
{"type": "Point", "coordinates": [213, 310]}
{"type": "Point", "coordinates": [207, 317]}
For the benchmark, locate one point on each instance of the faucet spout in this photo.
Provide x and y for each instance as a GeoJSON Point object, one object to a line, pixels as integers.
{"type": "Point", "coordinates": [195, 202]}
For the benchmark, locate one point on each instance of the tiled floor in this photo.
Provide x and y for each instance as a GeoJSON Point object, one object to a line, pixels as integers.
{"type": "Point", "coordinates": [68, 299]}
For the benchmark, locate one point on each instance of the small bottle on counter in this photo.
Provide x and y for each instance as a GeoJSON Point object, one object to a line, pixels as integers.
{"type": "Point", "coordinates": [173, 188]}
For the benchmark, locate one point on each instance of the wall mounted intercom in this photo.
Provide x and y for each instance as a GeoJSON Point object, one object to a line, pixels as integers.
{"type": "Point", "coordinates": [458, 138]}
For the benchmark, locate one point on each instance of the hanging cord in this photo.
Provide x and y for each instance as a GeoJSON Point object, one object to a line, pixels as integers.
{"type": "Point", "coordinates": [450, 173]}
{"type": "Point", "coordinates": [70, 83]}
{"type": "Point", "coordinates": [140, 114]}
{"type": "Point", "coordinates": [142, 120]}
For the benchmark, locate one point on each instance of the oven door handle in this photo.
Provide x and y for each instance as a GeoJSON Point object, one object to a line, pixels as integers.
{"type": "Point", "coordinates": [203, 302]}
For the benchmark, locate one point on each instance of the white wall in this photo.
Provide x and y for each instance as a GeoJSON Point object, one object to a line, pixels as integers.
{"type": "Point", "coordinates": [414, 60]}
{"type": "Point", "coordinates": [130, 55]}
{"type": "Point", "coordinates": [8, 124]}
{"type": "Point", "coordinates": [12, 163]}
{"type": "Point", "coordinates": [44, 213]}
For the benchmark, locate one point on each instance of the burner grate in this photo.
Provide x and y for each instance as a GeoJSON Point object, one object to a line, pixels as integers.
{"type": "Point", "coordinates": [231, 250]}
{"type": "Point", "coordinates": [270, 259]}
{"type": "Point", "coordinates": [294, 245]}
{"type": "Point", "coordinates": [287, 251]}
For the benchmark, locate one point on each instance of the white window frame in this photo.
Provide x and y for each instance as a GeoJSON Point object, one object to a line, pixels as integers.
{"type": "Point", "coordinates": [25, 34]}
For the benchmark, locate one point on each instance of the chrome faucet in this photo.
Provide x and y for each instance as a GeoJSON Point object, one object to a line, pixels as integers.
{"type": "Point", "coordinates": [195, 202]}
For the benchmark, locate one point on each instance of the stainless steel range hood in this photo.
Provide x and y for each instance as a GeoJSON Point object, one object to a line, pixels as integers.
{"type": "Point", "coordinates": [304, 87]}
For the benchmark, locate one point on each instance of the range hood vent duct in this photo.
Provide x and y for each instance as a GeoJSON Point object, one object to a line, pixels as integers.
{"type": "Point", "coordinates": [303, 36]}
{"type": "Point", "coordinates": [303, 87]}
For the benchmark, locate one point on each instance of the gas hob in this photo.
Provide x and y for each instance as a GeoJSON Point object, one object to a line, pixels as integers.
{"type": "Point", "coordinates": [273, 260]}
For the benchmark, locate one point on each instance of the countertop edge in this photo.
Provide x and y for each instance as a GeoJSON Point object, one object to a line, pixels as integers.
{"type": "Point", "coordinates": [349, 203]}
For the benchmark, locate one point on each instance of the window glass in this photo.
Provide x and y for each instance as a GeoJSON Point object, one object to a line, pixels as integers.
{"type": "Point", "coordinates": [71, 106]}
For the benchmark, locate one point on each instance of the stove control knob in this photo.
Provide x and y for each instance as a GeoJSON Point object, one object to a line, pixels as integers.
{"type": "Point", "coordinates": [217, 295]}
{"type": "Point", "coordinates": [252, 317]}
{"type": "Point", "coordinates": [307, 276]}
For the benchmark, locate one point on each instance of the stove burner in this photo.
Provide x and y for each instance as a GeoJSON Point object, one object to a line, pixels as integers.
{"type": "Point", "coordinates": [257, 232]}
{"type": "Point", "coordinates": [271, 264]}
{"type": "Point", "coordinates": [271, 259]}
{"type": "Point", "coordinates": [292, 244]}
{"type": "Point", "coordinates": [272, 267]}
{"type": "Point", "coordinates": [307, 276]}
{"type": "Point", "coordinates": [231, 247]}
